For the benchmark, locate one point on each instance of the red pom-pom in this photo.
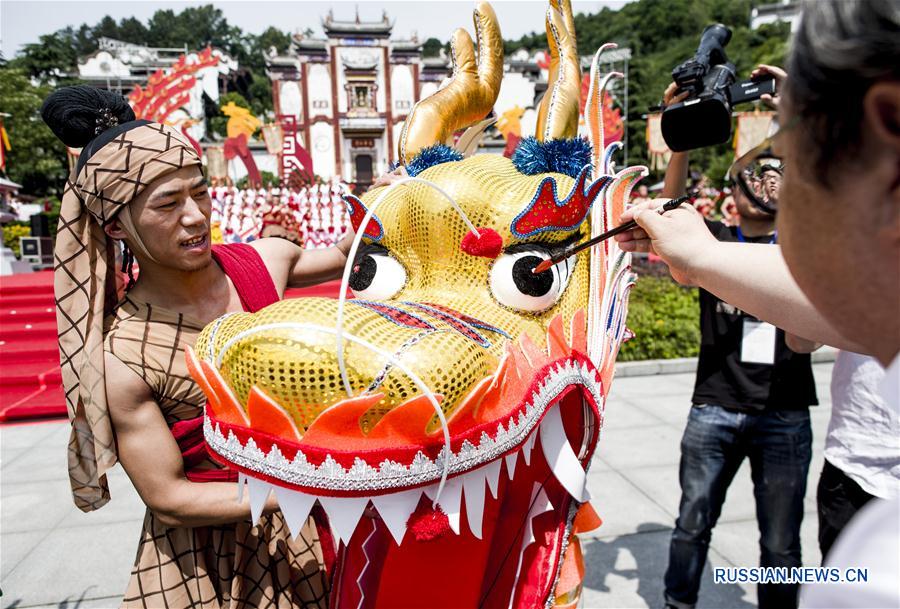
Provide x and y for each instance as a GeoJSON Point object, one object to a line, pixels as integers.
{"type": "Point", "coordinates": [428, 522]}
{"type": "Point", "coordinates": [488, 243]}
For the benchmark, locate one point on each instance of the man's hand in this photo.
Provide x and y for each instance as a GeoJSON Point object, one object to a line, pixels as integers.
{"type": "Point", "coordinates": [150, 456]}
{"type": "Point", "coordinates": [763, 70]}
{"type": "Point", "coordinates": [389, 178]}
{"type": "Point", "coordinates": [680, 237]}
{"type": "Point", "coordinates": [670, 97]}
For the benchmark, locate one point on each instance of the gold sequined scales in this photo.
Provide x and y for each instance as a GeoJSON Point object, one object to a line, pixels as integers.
{"type": "Point", "coordinates": [298, 367]}
{"type": "Point", "coordinates": [457, 381]}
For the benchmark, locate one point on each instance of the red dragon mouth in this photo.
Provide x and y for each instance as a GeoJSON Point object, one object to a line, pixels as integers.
{"type": "Point", "coordinates": [504, 414]}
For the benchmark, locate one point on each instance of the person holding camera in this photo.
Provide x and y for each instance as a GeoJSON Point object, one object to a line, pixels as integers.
{"type": "Point", "coordinates": [751, 396]}
{"type": "Point", "coordinates": [834, 275]}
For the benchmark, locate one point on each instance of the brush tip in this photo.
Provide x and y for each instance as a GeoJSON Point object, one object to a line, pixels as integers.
{"type": "Point", "coordinates": [543, 266]}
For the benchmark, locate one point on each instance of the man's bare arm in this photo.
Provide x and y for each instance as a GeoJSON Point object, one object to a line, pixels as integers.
{"type": "Point", "coordinates": [318, 265]}
{"type": "Point", "coordinates": [800, 345]}
{"type": "Point", "coordinates": [151, 458]}
{"type": "Point", "coordinates": [677, 169]}
{"type": "Point", "coordinates": [755, 278]}
{"type": "Point", "coordinates": [291, 266]}
{"type": "Point", "coordinates": [750, 276]}
{"type": "Point", "coordinates": [676, 176]}
{"type": "Point", "coordinates": [306, 267]}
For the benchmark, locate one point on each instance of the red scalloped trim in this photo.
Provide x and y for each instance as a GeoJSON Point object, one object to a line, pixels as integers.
{"type": "Point", "coordinates": [401, 454]}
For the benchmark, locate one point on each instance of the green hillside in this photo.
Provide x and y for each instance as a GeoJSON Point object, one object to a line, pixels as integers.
{"type": "Point", "coordinates": [662, 34]}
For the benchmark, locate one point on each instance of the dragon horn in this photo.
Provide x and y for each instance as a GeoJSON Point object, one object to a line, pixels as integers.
{"type": "Point", "coordinates": [470, 95]}
{"type": "Point", "coordinates": [558, 112]}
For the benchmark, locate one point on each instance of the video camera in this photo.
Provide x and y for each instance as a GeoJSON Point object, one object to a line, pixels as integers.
{"type": "Point", "coordinates": [704, 118]}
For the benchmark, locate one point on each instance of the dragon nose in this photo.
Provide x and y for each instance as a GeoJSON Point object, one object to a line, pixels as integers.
{"type": "Point", "coordinates": [296, 362]}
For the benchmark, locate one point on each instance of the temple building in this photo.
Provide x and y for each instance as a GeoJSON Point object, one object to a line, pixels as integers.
{"type": "Point", "coordinates": [343, 98]}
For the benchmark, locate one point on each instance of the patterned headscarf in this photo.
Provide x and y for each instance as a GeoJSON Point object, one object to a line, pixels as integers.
{"type": "Point", "coordinates": [113, 170]}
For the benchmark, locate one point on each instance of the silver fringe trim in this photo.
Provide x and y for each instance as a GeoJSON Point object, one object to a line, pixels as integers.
{"type": "Point", "coordinates": [332, 476]}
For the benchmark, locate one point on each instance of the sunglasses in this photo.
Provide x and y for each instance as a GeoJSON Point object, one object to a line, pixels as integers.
{"type": "Point", "coordinates": [758, 173]}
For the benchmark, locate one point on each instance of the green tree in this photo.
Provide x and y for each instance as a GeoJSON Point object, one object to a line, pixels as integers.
{"type": "Point", "coordinates": [662, 34]}
{"type": "Point", "coordinates": [196, 27]}
{"type": "Point", "coordinates": [271, 38]}
{"type": "Point", "coordinates": [84, 40]}
{"type": "Point", "coordinates": [107, 28]}
{"type": "Point", "coordinates": [51, 58]}
{"type": "Point", "coordinates": [132, 30]}
{"type": "Point", "coordinates": [37, 159]}
{"type": "Point", "coordinates": [432, 47]}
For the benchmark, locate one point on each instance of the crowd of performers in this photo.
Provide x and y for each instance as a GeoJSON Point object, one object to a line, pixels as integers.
{"type": "Point", "coordinates": [712, 203]}
{"type": "Point", "coordinates": [313, 216]}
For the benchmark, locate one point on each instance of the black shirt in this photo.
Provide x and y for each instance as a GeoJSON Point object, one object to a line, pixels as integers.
{"type": "Point", "coordinates": [723, 379]}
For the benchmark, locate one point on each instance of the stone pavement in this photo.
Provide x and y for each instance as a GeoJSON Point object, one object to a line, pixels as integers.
{"type": "Point", "coordinates": [53, 555]}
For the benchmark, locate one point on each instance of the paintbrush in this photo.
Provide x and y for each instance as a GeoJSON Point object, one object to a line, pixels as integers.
{"type": "Point", "coordinates": [573, 248]}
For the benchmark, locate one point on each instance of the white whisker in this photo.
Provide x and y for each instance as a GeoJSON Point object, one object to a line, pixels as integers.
{"type": "Point", "coordinates": [351, 256]}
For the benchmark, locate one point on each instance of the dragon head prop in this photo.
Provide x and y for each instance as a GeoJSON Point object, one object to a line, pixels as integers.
{"type": "Point", "coordinates": [445, 416]}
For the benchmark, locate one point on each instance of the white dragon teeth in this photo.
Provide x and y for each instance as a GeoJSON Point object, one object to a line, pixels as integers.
{"type": "Point", "coordinates": [560, 456]}
{"type": "Point", "coordinates": [361, 477]}
{"type": "Point", "coordinates": [450, 500]}
{"type": "Point", "coordinates": [295, 506]}
{"type": "Point", "coordinates": [344, 514]}
{"type": "Point", "coordinates": [395, 510]}
{"type": "Point", "coordinates": [473, 487]}
{"type": "Point", "coordinates": [492, 475]}
{"type": "Point", "coordinates": [528, 446]}
{"type": "Point", "coordinates": [259, 492]}
{"type": "Point", "coordinates": [511, 463]}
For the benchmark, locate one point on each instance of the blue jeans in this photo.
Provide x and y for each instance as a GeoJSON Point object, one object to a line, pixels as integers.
{"type": "Point", "coordinates": [715, 442]}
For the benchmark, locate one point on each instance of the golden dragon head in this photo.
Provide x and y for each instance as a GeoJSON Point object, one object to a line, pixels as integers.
{"type": "Point", "coordinates": [453, 359]}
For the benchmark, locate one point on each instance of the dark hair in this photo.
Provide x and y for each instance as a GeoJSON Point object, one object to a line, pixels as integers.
{"type": "Point", "coordinates": [840, 49]}
{"type": "Point", "coordinates": [78, 114]}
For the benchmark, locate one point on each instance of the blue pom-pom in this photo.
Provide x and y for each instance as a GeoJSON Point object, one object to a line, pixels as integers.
{"type": "Point", "coordinates": [530, 157]}
{"type": "Point", "coordinates": [431, 156]}
{"type": "Point", "coordinates": [569, 156]}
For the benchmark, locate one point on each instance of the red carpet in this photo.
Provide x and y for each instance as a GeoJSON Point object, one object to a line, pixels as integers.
{"type": "Point", "coordinates": [30, 382]}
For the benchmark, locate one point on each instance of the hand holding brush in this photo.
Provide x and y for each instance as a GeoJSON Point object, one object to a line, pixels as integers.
{"type": "Point", "coordinates": [572, 249]}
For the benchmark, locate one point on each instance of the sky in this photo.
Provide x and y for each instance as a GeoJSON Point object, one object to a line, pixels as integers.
{"type": "Point", "coordinates": [22, 22]}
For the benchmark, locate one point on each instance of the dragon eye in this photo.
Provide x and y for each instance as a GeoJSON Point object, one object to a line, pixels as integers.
{"type": "Point", "coordinates": [376, 275]}
{"type": "Point", "coordinates": [514, 285]}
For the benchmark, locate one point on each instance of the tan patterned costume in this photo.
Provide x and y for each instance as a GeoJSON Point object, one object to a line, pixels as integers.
{"type": "Point", "coordinates": [228, 566]}
{"type": "Point", "coordinates": [233, 565]}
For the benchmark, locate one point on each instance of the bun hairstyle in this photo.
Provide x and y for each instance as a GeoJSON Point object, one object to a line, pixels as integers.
{"type": "Point", "coordinates": [78, 114]}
